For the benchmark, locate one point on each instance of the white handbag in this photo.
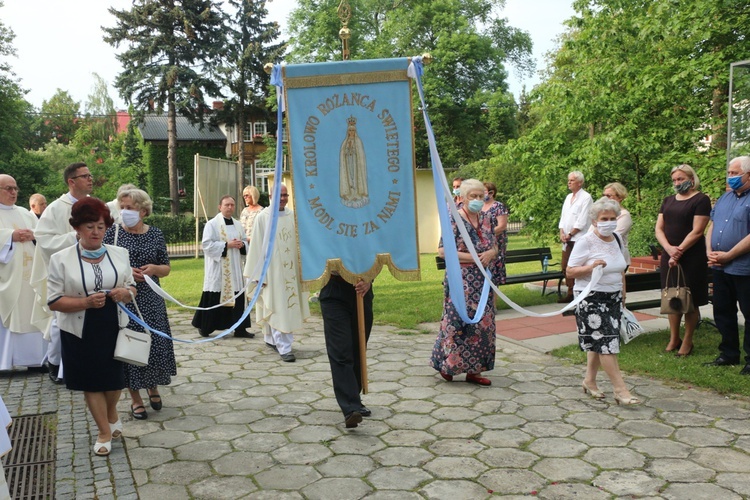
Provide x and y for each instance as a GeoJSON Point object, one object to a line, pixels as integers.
{"type": "Point", "coordinates": [629, 326]}
{"type": "Point", "coordinates": [133, 347]}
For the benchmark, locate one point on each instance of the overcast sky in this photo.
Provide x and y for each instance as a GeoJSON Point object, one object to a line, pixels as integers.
{"type": "Point", "coordinates": [59, 43]}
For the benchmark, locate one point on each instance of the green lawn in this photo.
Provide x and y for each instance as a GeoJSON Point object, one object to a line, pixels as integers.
{"type": "Point", "coordinates": [405, 304]}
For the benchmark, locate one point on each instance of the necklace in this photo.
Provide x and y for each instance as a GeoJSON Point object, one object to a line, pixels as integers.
{"type": "Point", "coordinates": [475, 226]}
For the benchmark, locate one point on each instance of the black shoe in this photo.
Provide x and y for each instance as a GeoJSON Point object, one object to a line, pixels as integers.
{"type": "Point", "coordinates": [288, 357]}
{"type": "Point", "coordinates": [722, 361]}
{"type": "Point", "coordinates": [365, 411]}
{"type": "Point", "coordinates": [352, 420]}
{"type": "Point", "coordinates": [53, 371]}
{"type": "Point", "coordinates": [271, 346]}
{"type": "Point", "coordinates": [203, 334]}
{"type": "Point", "coordinates": [745, 370]}
{"type": "Point", "coordinates": [138, 415]}
{"type": "Point", "coordinates": [155, 401]}
{"type": "Point", "coordinates": [244, 335]}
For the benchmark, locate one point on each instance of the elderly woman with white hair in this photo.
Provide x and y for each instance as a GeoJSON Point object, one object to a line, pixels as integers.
{"type": "Point", "coordinates": [148, 257]}
{"type": "Point", "coordinates": [598, 315]}
{"type": "Point", "coordinates": [461, 347]}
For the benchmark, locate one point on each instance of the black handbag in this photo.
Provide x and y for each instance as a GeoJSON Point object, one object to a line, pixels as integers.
{"type": "Point", "coordinates": [676, 299]}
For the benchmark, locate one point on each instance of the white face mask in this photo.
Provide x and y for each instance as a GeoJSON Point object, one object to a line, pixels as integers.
{"type": "Point", "coordinates": [130, 217]}
{"type": "Point", "coordinates": [606, 228]}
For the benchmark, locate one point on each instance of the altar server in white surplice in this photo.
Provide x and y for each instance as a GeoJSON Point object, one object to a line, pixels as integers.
{"type": "Point", "coordinates": [21, 342]}
{"type": "Point", "coordinates": [54, 233]}
{"type": "Point", "coordinates": [224, 242]}
{"type": "Point", "coordinates": [282, 306]}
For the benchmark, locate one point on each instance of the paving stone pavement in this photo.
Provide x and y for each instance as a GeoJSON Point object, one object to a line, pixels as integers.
{"type": "Point", "coordinates": [240, 423]}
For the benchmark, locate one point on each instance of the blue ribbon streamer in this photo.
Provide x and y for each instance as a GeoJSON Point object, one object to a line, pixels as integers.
{"type": "Point", "coordinates": [269, 238]}
{"type": "Point", "coordinates": [452, 266]}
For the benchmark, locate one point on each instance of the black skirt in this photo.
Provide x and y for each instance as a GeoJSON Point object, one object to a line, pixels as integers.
{"type": "Point", "coordinates": [219, 318]}
{"type": "Point", "coordinates": [88, 362]}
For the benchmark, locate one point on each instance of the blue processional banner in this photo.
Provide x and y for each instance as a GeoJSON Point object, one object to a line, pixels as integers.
{"type": "Point", "coordinates": [352, 157]}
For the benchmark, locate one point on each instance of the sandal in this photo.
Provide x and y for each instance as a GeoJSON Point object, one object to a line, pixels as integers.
{"type": "Point", "coordinates": [156, 405]}
{"type": "Point", "coordinates": [138, 415]}
{"type": "Point", "coordinates": [116, 429]}
{"type": "Point", "coordinates": [102, 449]}
{"type": "Point", "coordinates": [626, 401]}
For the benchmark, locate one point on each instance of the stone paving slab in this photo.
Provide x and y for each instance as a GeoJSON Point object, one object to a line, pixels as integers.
{"type": "Point", "coordinates": [240, 423]}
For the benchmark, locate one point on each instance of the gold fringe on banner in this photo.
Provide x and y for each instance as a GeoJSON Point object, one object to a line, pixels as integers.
{"type": "Point", "coordinates": [381, 259]}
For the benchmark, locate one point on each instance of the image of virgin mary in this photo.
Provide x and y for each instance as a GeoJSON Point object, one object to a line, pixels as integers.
{"type": "Point", "coordinates": [353, 168]}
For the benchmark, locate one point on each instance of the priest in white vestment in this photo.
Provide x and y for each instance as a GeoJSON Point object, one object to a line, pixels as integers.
{"type": "Point", "coordinates": [54, 233]}
{"type": "Point", "coordinates": [282, 307]}
{"type": "Point", "coordinates": [21, 341]}
{"type": "Point", "coordinates": [224, 242]}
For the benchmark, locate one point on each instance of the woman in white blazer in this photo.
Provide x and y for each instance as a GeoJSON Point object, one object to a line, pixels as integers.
{"type": "Point", "coordinates": [85, 282]}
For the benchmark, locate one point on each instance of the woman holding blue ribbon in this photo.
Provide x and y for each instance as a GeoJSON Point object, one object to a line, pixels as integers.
{"type": "Point", "coordinates": [85, 283]}
{"type": "Point", "coordinates": [148, 257]}
{"type": "Point", "coordinates": [463, 347]}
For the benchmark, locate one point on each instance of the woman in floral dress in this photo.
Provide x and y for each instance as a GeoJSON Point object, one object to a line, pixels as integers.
{"type": "Point", "coordinates": [148, 257]}
{"type": "Point", "coordinates": [461, 347]}
{"type": "Point", "coordinates": [500, 211]}
{"type": "Point", "coordinates": [598, 316]}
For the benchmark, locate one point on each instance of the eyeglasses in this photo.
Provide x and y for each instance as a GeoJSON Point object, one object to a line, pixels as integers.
{"type": "Point", "coordinates": [11, 189]}
{"type": "Point", "coordinates": [283, 196]}
{"type": "Point", "coordinates": [84, 176]}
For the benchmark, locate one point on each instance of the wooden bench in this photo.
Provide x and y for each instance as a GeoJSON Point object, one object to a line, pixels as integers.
{"type": "Point", "coordinates": [533, 255]}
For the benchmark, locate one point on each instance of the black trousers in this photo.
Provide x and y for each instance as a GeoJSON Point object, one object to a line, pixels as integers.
{"type": "Point", "coordinates": [338, 305]}
{"type": "Point", "coordinates": [729, 291]}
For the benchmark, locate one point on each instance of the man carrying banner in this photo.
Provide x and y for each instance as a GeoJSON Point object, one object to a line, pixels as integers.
{"type": "Point", "coordinates": [282, 306]}
{"type": "Point", "coordinates": [338, 305]}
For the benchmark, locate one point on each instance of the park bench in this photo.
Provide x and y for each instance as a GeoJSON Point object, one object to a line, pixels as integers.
{"type": "Point", "coordinates": [640, 282]}
{"type": "Point", "coordinates": [527, 255]}
{"type": "Point", "coordinates": [533, 255]}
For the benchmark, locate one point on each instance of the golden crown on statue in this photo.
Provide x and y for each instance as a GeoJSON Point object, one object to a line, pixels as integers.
{"type": "Point", "coordinates": [352, 121]}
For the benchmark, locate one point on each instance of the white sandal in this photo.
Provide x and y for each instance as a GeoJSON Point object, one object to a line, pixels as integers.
{"type": "Point", "coordinates": [116, 429]}
{"type": "Point", "coordinates": [102, 449]}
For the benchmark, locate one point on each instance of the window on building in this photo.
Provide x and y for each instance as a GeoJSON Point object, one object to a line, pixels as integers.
{"type": "Point", "coordinates": [249, 131]}
{"type": "Point", "coordinates": [259, 128]}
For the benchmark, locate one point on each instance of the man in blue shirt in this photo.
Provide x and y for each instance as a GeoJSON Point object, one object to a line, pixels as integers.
{"type": "Point", "coordinates": [729, 256]}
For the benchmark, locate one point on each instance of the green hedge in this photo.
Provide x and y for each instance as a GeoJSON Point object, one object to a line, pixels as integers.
{"type": "Point", "coordinates": [176, 229]}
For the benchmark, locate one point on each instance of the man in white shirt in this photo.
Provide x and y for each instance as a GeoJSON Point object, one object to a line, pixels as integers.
{"type": "Point", "coordinates": [21, 339]}
{"type": "Point", "coordinates": [574, 223]}
{"type": "Point", "coordinates": [54, 233]}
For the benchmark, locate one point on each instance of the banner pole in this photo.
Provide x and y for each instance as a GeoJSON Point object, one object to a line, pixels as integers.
{"type": "Point", "coordinates": [362, 341]}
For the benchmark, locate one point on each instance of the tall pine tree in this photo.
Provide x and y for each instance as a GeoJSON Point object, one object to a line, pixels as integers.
{"type": "Point", "coordinates": [171, 48]}
{"type": "Point", "coordinates": [252, 44]}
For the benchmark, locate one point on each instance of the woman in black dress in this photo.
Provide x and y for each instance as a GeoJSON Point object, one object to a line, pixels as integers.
{"type": "Point", "coordinates": [682, 220]}
{"type": "Point", "coordinates": [148, 257]}
{"type": "Point", "coordinates": [85, 282]}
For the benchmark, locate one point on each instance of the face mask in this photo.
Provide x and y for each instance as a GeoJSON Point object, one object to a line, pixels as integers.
{"type": "Point", "coordinates": [735, 182]}
{"type": "Point", "coordinates": [684, 187]}
{"type": "Point", "coordinates": [456, 192]}
{"type": "Point", "coordinates": [606, 228]}
{"type": "Point", "coordinates": [93, 254]}
{"type": "Point", "coordinates": [487, 197]}
{"type": "Point", "coordinates": [475, 205]}
{"type": "Point", "coordinates": [130, 217]}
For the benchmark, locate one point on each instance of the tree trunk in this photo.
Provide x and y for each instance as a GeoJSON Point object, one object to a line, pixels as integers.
{"type": "Point", "coordinates": [174, 194]}
{"type": "Point", "coordinates": [719, 118]}
{"type": "Point", "coordinates": [241, 146]}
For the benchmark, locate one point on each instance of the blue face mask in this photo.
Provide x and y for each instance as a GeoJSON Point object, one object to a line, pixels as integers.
{"type": "Point", "coordinates": [475, 205]}
{"type": "Point", "coordinates": [684, 187]}
{"type": "Point", "coordinates": [456, 192]}
{"type": "Point", "coordinates": [93, 254]}
{"type": "Point", "coordinates": [735, 182]}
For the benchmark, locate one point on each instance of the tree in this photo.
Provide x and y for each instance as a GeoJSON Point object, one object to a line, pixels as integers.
{"type": "Point", "coordinates": [466, 90]}
{"type": "Point", "coordinates": [171, 49]}
{"type": "Point", "coordinates": [100, 111]}
{"type": "Point", "coordinates": [633, 90]}
{"type": "Point", "coordinates": [59, 118]}
{"type": "Point", "coordinates": [250, 46]}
